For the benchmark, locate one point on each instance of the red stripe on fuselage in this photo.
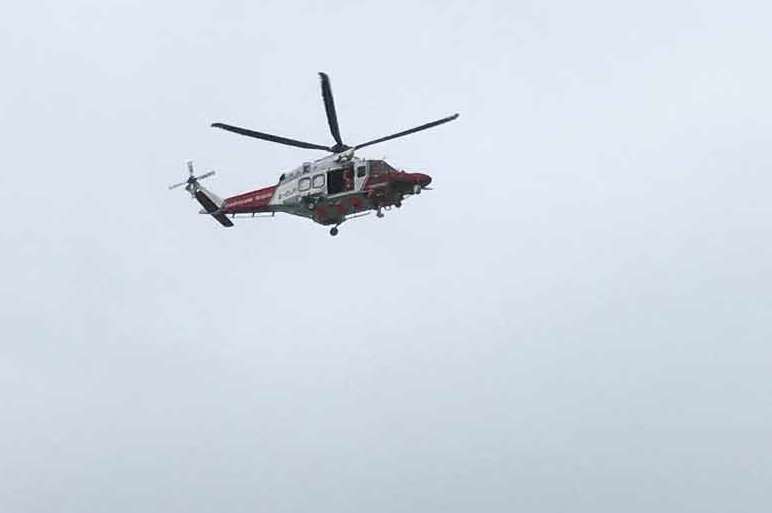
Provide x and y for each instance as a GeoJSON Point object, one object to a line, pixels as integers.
{"type": "Point", "coordinates": [253, 201]}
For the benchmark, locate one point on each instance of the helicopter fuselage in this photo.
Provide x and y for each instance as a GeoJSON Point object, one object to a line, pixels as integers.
{"type": "Point", "coordinates": [330, 190]}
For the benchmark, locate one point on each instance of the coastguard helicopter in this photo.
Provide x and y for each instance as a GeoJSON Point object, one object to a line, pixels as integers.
{"type": "Point", "coordinates": [329, 191]}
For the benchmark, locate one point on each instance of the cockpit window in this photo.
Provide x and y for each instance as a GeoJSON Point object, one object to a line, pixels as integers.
{"type": "Point", "coordinates": [379, 167]}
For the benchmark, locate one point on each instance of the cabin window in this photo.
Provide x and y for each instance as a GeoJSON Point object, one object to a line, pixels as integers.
{"type": "Point", "coordinates": [318, 181]}
{"type": "Point", "coordinates": [361, 170]}
{"type": "Point", "coordinates": [304, 184]}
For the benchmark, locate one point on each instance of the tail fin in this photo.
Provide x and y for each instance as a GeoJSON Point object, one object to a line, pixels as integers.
{"type": "Point", "coordinates": [211, 203]}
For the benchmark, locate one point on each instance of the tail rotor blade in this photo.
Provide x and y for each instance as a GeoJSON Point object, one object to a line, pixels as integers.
{"type": "Point", "coordinates": [192, 179]}
{"type": "Point", "coordinates": [178, 185]}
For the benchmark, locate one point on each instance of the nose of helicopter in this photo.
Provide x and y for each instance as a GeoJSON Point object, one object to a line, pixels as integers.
{"type": "Point", "coordinates": [422, 179]}
{"type": "Point", "coordinates": [419, 180]}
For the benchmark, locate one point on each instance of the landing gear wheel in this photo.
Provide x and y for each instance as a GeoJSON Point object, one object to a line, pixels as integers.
{"type": "Point", "coordinates": [379, 213]}
{"type": "Point", "coordinates": [334, 231]}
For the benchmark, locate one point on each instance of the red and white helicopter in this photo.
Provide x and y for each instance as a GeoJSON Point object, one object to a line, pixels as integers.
{"type": "Point", "coordinates": [328, 191]}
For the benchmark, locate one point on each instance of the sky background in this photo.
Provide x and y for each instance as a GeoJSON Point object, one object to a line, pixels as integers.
{"type": "Point", "coordinates": [577, 318]}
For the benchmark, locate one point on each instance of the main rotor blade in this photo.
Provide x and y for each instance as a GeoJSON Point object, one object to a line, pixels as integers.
{"type": "Point", "coordinates": [407, 132]}
{"type": "Point", "coordinates": [269, 137]}
{"type": "Point", "coordinates": [329, 107]}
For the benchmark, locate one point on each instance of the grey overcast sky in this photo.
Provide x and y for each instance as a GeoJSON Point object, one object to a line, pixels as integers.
{"type": "Point", "coordinates": [577, 319]}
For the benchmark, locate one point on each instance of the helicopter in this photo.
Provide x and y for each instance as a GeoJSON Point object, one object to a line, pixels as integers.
{"type": "Point", "coordinates": [330, 191]}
